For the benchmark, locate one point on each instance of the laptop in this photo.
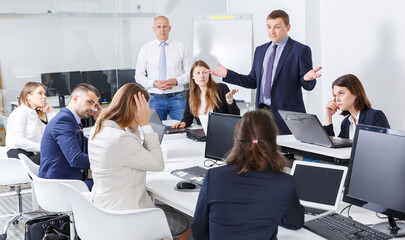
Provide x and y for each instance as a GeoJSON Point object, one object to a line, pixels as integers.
{"type": "Point", "coordinates": [155, 118]}
{"type": "Point", "coordinates": [318, 185]}
{"type": "Point", "coordinates": [159, 129]}
{"type": "Point", "coordinates": [308, 129]}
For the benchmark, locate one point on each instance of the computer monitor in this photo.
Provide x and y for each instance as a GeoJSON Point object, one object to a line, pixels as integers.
{"type": "Point", "coordinates": [376, 175]}
{"type": "Point", "coordinates": [60, 84]}
{"type": "Point", "coordinates": [220, 135]}
{"type": "Point", "coordinates": [125, 76]}
{"type": "Point", "coordinates": [104, 80]}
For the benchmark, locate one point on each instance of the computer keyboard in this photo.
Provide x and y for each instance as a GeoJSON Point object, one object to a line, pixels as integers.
{"type": "Point", "coordinates": [314, 211]}
{"type": "Point", "coordinates": [336, 226]}
{"type": "Point", "coordinates": [194, 174]}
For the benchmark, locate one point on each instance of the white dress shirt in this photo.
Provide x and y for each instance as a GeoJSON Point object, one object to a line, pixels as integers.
{"type": "Point", "coordinates": [119, 163]}
{"type": "Point", "coordinates": [177, 62]}
{"type": "Point", "coordinates": [352, 127]}
{"type": "Point", "coordinates": [25, 129]}
{"type": "Point", "coordinates": [203, 106]}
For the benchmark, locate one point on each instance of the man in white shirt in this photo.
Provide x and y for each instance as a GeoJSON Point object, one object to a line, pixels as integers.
{"type": "Point", "coordinates": [162, 69]}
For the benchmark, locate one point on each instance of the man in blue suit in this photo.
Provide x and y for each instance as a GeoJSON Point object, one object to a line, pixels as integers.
{"type": "Point", "coordinates": [63, 145]}
{"type": "Point", "coordinates": [280, 68]}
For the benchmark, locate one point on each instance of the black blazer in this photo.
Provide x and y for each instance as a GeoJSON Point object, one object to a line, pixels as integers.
{"type": "Point", "coordinates": [248, 206]}
{"type": "Point", "coordinates": [286, 93]}
{"type": "Point", "coordinates": [224, 107]}
{"type": "Point", "coordinates": [368, 116]}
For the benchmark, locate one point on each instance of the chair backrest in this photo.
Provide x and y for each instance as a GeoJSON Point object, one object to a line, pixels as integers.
{"type": "Point", "coordinates": [30, 166]}
{"type": "Point", "coordinates": [4, 121]}
{"type": "Point", "coordinates": [12, 172]}
{"type": "Point", "coordinates": [47, 190]}
{"type": "Point", "coordinates": [93, 222]}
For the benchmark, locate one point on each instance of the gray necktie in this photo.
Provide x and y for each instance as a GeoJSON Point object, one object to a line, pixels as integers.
{"type": "Point", "coordinates": [267, 86]}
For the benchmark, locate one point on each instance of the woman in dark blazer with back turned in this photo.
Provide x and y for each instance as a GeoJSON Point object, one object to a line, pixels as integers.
{"type": "Point", "coordinates": [205, 96]}
{"type": "Point", "coordinates": [349, 97]}
{"type": "Point", "coordinates": [250, 196]}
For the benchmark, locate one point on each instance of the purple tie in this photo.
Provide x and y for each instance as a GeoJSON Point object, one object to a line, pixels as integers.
{"type": "Point", "coordinates": [267, 87]}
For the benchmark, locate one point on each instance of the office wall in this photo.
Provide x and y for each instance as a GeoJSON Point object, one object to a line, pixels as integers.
{"type": "Point", "coordinates": [365, 38]}
{"type": "Point", "coordinates": [360, 37]}
{"type": "Point", "coordinates": [78, 35]}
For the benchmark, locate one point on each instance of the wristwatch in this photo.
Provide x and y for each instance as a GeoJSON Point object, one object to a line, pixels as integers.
{"type": "Point", "coordinates": [154, 84]}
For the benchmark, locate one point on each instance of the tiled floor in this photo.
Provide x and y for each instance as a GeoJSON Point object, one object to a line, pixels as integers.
{"type": "Point", "coordinates": [7, 205]}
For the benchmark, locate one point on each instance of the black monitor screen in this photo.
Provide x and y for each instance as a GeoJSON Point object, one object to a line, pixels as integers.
{"type": "Point", "coordinates": [60, 83]}
{"type": "Point", "coordinates": [125, 76]}
{"type": "Point", "coordinates": [317, 184]}
{"type": "Point", "coordinates": [104, 80]}
{"type": "Point", "coordinates": [220, 131]}
{"type": "Point", "coordinates": [376, 176]}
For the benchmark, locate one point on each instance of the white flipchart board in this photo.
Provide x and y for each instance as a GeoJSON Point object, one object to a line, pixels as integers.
{"type": "Point", "coordinates": [227, 39]}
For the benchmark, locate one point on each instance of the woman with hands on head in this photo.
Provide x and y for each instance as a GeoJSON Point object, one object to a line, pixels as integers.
{"type": "Point", "coordinates": [118, 160]}
{"type": "Point", "coordinates": [350, 98]}
{"type": "Point", "coordinates": [26, 123]}
{"type": "Point", "coordinates": [205, 95]}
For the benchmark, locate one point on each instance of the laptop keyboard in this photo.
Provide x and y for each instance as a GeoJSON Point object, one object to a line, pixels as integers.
{"type": "Point", "coordinates": [336, 226]}
{"type": "Point", "coordinates": [314, 211]}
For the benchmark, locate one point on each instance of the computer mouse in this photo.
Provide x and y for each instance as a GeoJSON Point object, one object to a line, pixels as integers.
{"type": "Point", "coordinates": [185, 185]}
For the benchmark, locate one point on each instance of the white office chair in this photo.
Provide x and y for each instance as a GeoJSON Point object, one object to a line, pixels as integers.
{"type": "Point", "coordinates": [34, 169]}
{"type": "Point", "coordinates": [12, 174]}
{"type": "Point", "coordinates": [47, 191]}
{"type": "Point", "coordinates": [95, 223]}
{"type": "Point", "coordinates": [29, 165]}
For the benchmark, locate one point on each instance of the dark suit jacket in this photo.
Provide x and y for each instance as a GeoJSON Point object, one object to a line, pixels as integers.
{"type": "Point", "coordinates": [63, 148]}
{"type": "Point", "coordinates": [248, 206]}
{"type": "Point", "coordinates": [368, 116]}
{"type": "Point", "coordinates": [224, 107]}
{"type": "Point", "coordinates": [286, 93]}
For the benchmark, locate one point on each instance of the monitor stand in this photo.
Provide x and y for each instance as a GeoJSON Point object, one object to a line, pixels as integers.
{"type": "Point", "coordinates": [391, 228]}
{"type": "Point", "coordinates": [61, 99]}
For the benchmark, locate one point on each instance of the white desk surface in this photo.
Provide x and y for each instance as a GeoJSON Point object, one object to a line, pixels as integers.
{"type": "Point", "coordinates": [291, 142]}
{"type": "Point", "coordinates": [182, 153]}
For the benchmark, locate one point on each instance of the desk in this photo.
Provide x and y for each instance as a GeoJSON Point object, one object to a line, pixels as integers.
{"type": "Point", "coordinates": [183, 152]}
{"type": "Point", "coordinates": [339, 156]}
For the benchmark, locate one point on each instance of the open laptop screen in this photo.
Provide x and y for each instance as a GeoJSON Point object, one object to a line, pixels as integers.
{"type": "Point", "coordinates": [220, 134]}
{"type": "Point", "coordinates": [319, 185]}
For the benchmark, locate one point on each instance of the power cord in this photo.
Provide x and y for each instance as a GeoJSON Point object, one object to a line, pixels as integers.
{"type": "Point", "coordinates": [210, 162]}
{"type": "Point", "coordinates": [379, 216]}
{"type": "Point", "coordinates": [348, 210]}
